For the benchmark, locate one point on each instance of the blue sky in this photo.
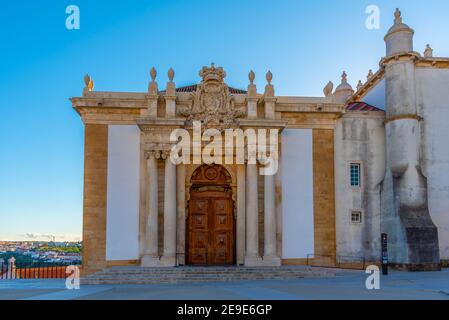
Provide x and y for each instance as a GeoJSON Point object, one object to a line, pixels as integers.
{"type": "Point", "coordinates": [304, 43]}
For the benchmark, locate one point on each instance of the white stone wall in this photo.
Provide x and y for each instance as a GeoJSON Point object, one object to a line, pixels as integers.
{"type": "Point", "coordinates": [359, 138]}
{"type": "Point", "coordinates": [122, 223]}
{"type": "Point", "coordinates": [297, 193]}
{"type": "Point", "coordinates": [433, 105]}
{"type": "Point", "coordinates": [376, 96]}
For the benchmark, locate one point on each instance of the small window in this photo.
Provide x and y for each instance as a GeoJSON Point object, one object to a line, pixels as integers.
{"type": "Point", "coordinates": [355, 175]}
{"type": "Point", "coordinates": [356, 217]}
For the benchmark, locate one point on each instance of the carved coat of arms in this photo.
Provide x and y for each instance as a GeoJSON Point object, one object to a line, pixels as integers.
{"type": "Point", "coordinates": [212, 104]}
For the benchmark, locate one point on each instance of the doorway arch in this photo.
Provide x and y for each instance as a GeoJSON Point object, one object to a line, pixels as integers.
{"type": "Point", "coordinates": [211, 225]}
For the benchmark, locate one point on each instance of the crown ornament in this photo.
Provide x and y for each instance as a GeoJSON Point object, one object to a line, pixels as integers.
{"type": "Point", "coordinates": [212, 73]}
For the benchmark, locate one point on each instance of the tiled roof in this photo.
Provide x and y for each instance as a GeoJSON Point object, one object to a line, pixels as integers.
{"type": "Point", "coordinates": [361, 106]}
{"type": "Point", "coordinates": [192, 88]}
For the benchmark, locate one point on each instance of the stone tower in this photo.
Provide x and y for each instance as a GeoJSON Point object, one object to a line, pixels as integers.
{"type": "Point", "coordinates": [413, 237]}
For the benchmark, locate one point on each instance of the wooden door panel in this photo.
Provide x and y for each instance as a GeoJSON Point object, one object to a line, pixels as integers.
{"type": "Point", "coordinates": [222, 244]}
{"type": "Point", "coordinates": [198, 235]}
{"type": "Point", "coordinates": [198, 250]}
{"type": "Point", "coordinates": [200, 205]}
{"type": "Point", "coordinates": [222, 231]}
{"type": "Point", "coordinates": [211, 226]}
{"type": "Point", "coordinates": [221, 206]}
{"type": "Point", "coordinates": [221, 221]}
{"type": "Point", "coordinates": [199, 221]}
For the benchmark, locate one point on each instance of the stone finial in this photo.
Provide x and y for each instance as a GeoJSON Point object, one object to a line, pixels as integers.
{"type": "Point", "coordinates": [397, 16]}
{"type": "Point", "coordinates": [86, 80]}
{"type": "Point", "coordinates": [251, 77]}
{"type": "Point", "coordinates": [269, 77]}
{"type": "Point", "coordinates": [152, 87]}
{"type": "Point", "coordinates": [328, 89]}
{"type": "Point", "coordinates": [344, 89]}
{"type": "Point", "coordinates": [171, 89]}
{"type": "Point", "coordinates": [153, 74]}
{"type": "Point", "coordinates": [252, 90]}
{"type": "Point", "coordinates": [359, 85]}
{"type": "Point", "coordinates": [370, 74]}
{"type": "Point", "coordinates": [269, 88]}
{"type": "Point", "coordinates": [428, 53]}
{"type": "Point", "coordinates": [89, 84]}
{"type": "Point", "coordinates": [171, 74]}
{"type": "Point", "coordinates": [344, 77]}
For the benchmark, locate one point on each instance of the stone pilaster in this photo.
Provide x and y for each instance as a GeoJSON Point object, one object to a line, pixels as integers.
{"type": "Point", "coordinates": [252, 257]}
{"type": "Point", "coordinates": [151, 257]}
{"type": "Point", "coordinates": [95, 197]}
{"type": "Point", "coordinates": [270, 256]}
{"type": "Point", "coordinates": [181, 213]}
{"type": "Point", "coordinates": [241, 213]}
{"type": "Point", "coordinates": [169, 254]}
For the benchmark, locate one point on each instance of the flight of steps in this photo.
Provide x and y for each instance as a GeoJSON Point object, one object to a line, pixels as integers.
{"type": "Point", "coordinates": [140, 275]}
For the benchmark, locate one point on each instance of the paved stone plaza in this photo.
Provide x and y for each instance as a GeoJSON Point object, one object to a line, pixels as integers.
{"type": "Point", "coordinates": [346, 285]}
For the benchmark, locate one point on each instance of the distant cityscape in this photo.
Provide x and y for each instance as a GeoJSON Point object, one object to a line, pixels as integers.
{"type": "Point", "coordinates": [40, 251]}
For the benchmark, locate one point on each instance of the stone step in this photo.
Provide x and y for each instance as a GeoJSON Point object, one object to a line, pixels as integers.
{"type": "Point", "coordinates": [178, 270]}
{"type": "Point", "coordinates": [200, 273]}
{"type": "Point", "coordinates": [199, 276]}
{"type": "Point", "coordinates": [139, 275]}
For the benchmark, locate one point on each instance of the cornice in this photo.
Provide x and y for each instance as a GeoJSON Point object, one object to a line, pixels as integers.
{"type": "Point", "coordinates": [262, 123]}
{"type": "Point", "coordinates": [401, 56]}
{"type": "Point", "coordinates": [437, 63]}
{"type": "Point", "coordinates": [310, 107]}
{"type": "Point", "coordinates": [146, 124]}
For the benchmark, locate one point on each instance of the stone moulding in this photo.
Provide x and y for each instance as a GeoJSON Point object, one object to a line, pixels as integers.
{"type": "Point", "coordinates": [402, 117]}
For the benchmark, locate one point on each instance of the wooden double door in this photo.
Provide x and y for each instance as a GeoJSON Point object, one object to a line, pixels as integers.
{"type": "Point", "coordinates": [211, 227]}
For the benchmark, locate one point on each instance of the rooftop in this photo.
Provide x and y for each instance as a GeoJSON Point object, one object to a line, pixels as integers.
{"type": "Point", "coordinates": [361, 106]}
{"type": "Point", "coordinates": [192, 88]}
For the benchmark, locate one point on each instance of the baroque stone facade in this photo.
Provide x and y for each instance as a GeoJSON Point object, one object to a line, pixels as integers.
{"type": "Point", "coordinates": [351, 165]}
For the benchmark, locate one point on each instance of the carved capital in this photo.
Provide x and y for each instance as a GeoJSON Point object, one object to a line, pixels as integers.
{"type": "Point", "coordinates": [165, 154]}
{"type": "Point", "coordinates": [157, 154]}
{"type": "Point", "coordinates": [151, 154]}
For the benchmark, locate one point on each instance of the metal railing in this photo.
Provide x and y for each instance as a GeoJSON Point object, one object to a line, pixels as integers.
{"type": "Point", "coordinates": [34, 270]}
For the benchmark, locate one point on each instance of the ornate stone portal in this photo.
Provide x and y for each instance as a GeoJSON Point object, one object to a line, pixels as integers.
{"type": "Point", "coordinates": [213, 105]}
